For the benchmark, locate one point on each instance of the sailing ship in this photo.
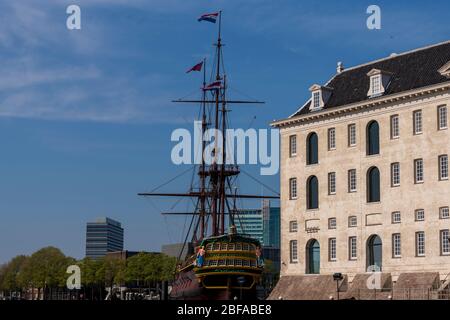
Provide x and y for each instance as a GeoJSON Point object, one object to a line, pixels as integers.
{"type": "Point", "coordinates": [224, 263]}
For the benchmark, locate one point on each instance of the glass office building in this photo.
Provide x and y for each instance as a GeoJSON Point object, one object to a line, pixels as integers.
{"type": "Point", "coordinates": [262, 224]}
{"type": "Point", "coordinates": [250, 222]}
{"type": "Point", "coordinates": [271, 228]}
{"type": "Point", "coordinates": [102, 236]}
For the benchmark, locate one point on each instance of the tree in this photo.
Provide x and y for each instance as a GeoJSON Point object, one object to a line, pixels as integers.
{"type": "Point", "coordinates": [11, 271]}
{"type": "Point", "coordinates": [46, 268]}
{"type": "Point", "coordinates": [136, 268]}
{"type": "Point", "coordinates": [113, 271]}
{"type": "Point", "coordinates": [89, 279]}
{"type": "Point", "coordinates": [2, 276]}
{"type": "Point", "coordinates": [168, 267]}
{"type": "Point", "coordinates": [149, 268]}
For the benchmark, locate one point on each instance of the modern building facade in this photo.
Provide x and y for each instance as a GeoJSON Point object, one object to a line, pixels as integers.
{"type": "Point", "coordinates": [262, 224]}
{"type": "Point", "coordinates": [364, 170]}
{"type": "Point", "coordinates": [250, 222]}
{"type": "Point", "coordinates": [126, 254]}
{"type": "Point", "coordinates": [271, 225]}
{"type": "Point", "coordinates": [103, 236]}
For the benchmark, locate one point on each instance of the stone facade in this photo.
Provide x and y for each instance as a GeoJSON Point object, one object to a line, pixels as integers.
{"type": "Point", "coordinates": [372, 218]}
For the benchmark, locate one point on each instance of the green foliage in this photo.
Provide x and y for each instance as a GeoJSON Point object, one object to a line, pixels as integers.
{"type": "Point", "coordinates": [10, 274]}
{"type": "Point", "coordinates": [150, 267]}
{"type": "Point", "coordinates": [46, 268]}
{"type": "Point", "coordinates": [91, 274]}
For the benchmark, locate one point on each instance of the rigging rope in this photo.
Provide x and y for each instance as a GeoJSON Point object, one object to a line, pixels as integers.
{"type": "Point", "coordinates": [258, 181]}
{"type": "Point", "coordinates": [169, 181]}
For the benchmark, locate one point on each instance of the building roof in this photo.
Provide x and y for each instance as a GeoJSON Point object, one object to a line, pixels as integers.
{"type": "Point", "coordinates": [105, 220]}
{"type": "Point", "coordinates": [410, 70]}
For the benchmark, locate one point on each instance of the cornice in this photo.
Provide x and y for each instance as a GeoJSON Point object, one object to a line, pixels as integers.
{"type": "Point", "coordinates": [359, 106]}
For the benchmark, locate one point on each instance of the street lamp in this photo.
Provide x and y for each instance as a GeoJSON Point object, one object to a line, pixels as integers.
{"type": "Point", "coordinates": [337, 277]}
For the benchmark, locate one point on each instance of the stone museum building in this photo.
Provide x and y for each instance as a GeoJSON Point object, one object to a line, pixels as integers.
{"type": "Point", "coordinates": [365, 179]}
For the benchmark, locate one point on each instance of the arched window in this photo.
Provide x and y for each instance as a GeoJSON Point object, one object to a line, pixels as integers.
{"type": "Point", "coordinates": [374, 253]}
{"type": "Point", "coordinates": [312, 152]}
{"type": "Point", "coordinates": [373, 185]}
{"type": "Point", "coordinates": [313, 257]}
{"type": "Point", "coordinates": [312, 193]}
{"type": "Point", "coordinates": [373, 138]}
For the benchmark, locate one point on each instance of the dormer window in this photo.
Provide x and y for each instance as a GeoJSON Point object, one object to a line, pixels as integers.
{"type": "Point", "coordinates": [320, 96]}
{"type": "Point", "coordinates": [445, 70]}
{"type": "Point", "coordinates": [379, 81]}
{"type": "Point", "coordinates": [376, 84]}
{"type": "Point", "coordinates": [316, 99]}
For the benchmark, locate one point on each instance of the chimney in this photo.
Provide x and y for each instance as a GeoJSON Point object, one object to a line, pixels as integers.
{"type": "Point", "coordinates": [340, 67]}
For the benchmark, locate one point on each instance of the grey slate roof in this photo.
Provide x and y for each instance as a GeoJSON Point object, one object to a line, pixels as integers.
{"type": "Point", "coordinates": [411, 70]}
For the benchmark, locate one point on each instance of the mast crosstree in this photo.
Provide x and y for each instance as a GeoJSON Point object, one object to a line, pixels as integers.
{"type": "Point", "coordinates": [215, 185]}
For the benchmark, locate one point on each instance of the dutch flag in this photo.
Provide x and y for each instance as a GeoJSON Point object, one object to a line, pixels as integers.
{"type": "Point", "coordinates": [210, 17]}
{"type": "Point", "coordinates": [213, 86]}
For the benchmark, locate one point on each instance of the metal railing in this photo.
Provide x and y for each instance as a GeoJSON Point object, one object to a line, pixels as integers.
{"type": "Point", "coordinates": [400, 294]}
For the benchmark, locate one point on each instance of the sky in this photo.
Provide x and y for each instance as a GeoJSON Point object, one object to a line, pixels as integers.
{"type": "Point", "coordinates": [86, 115]}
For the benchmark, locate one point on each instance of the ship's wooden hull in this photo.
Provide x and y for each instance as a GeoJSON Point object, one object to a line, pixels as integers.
{"type": "Point", "coordinates": [187, 287]}
{"type": "Point", "coordinates": [230, 270]}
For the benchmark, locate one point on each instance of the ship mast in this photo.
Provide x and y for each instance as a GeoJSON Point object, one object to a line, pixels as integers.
{"type": "Point", "coordinates": [202, 176]}
{"type": "Point", "coordinates": [217, 182]}
{"type": "Point", "coordinates": [214, 178]}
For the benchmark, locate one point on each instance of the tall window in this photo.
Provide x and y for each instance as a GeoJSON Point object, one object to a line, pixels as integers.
{"type": "Point", "coordinates": [293, 188]}
{"type": "Point", "coordinates": [331, 139]}
{"type": "Point", "coordinates": [444, 213]}
{"type": "Point", "coordinates": [395, 174]}
{"type": "Point", "coordinates": [419, 215]}
{"type": "Point", "coordinates": [316, 99]}
{"type": "Point", "coordinates": [293, 145]}
{"type": "Point", "coordinates": [445, 243]}
{"type": "Point", "coordinates": [351, 135]}
{"type": "Point", "coordinates": [443, 167]}
{"type": "Point", "coordinates": [312, 192]}
{"type": "Point", "coordinates": [293, 226]}
{"type": "Point", "coordinates": [352, 253]}
{"type": "Point", "coordinates": [396, 217]}
{"type": "Point", "coordinates": [420, 244]}
{"type": "Point", "coordinates": [373, 138]}
{"type": "Point", "coordinates": [395, 129]}
{"type": "Point", "coordinates": [417, 116]}
{"type": "Point", "coordinates": [373, 185]}
{"type": "Point", "coordinates": [332, 223]}
{"type": "Point", "coordinates": [352, 221]}
{"type": "Point", "coordinates": [332, 183]}
{"type": "Point", "coordinates": [332, 249]}
{"type": "Point", "coordinates": [352, 180]}
{"type": "Point", "coordinates": [376, 84]}
{"type": "Point", "coordinates": [418, 170]}
{"type": "Point", "coordinates": [396, 245]}
{"type": "Point", "coordinates": [293, 251]}
{"type": "Point", "coordinates": [442, 117]}
{"type": "Point", "coordinates": [312, 149]}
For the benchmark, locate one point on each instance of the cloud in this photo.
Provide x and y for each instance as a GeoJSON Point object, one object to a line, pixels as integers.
{"type": "Point", "coordinates": [111, 70]}
{"type": "Point", "coordinates": [17, 75]}
{"type": "Point", "coordinates": [108, 102]}
{"type": "Point", "coordinates": [50, 73]}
